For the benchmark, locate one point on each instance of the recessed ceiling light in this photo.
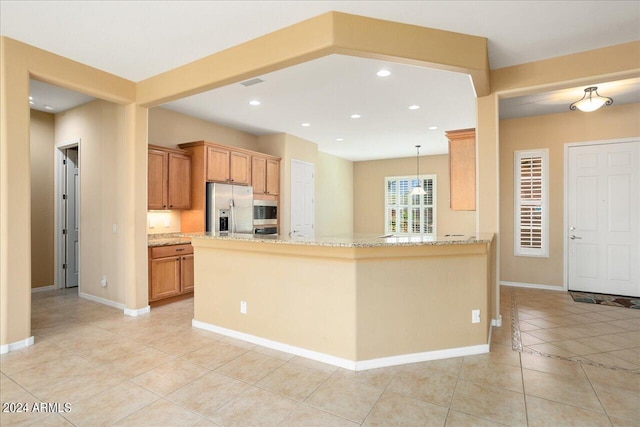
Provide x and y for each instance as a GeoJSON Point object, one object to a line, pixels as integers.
{"type": "Point", "coordinates": [355, 116]}
{"type": "Point", "coordinates": [305, 124]}
{"type": "Point", "coordinates": [254, 102]}
{"type": "Point", "coordinates": [383, 73]}
{"type": "Point", "coordinates": [432, 127]}
{"type": "Point", "coordinates": [339, 139]}
{"type": "Point", "coordinates": [31, 98]}
{"type": "Point", "coordinates": [48, 107]}
{"type": "Point", "coordinates": [31, 102]}
{"type": "Point", "coordinates": [414, 107]}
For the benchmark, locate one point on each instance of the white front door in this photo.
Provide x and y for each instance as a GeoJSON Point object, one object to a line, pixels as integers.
{"type": "Point", "coordinates": [72, 218]}
{"type": "Point", "coordinates": [302, 199]}
{"type": "Point", "coordinates": [603, 218]}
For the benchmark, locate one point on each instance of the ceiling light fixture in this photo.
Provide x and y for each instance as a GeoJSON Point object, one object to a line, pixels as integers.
{"type": "Point", "coordinates": [48, 107]}
{"type": "Point", "coordinates": [305, 124]}
{"type": "Point", "coordinates": [355, 116]}
{"type": "Point", "coordinates": [339, 139]}
{"type": "Point", "coordinates": [254, 102]}
{"type": "Point", "coordinates": [432, 127]}
{"type": "Point", "coordinates": [414, 107]}
{"type": "Point", "coordinates": [383, 73]}
{"type": "Point", "coordinates": [418, 190]}
{"type": "Point", "coordinates": [589, 102]}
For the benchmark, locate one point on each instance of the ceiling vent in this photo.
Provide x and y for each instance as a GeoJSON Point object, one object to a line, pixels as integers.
{"type": "Point", "coordinates": [252, 82]}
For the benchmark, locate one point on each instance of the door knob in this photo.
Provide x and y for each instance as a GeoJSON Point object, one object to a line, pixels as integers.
{"type": "Point", "coordinates": [574, 237]}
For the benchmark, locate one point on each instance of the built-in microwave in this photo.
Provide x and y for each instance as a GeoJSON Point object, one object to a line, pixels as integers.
{"type": "Point", "coordinates": [265, 212]}
{"type": "Point", "coordinates": [265, 217]}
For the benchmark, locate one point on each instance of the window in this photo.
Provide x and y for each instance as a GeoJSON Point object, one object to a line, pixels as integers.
{"type": "Point", "coordinates": [407, 214]}
{"type": "Point", "coordinates": [531, 228]}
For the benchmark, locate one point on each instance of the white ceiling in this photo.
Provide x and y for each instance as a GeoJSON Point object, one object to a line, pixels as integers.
{"type": "Point", "coordinates": [140, 39]}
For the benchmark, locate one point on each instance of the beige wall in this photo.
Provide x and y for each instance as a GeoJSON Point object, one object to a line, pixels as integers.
{"type": "Point", "coordinates": [334, 196]}
{"type": "Point", "coordinates": [368, 198]}
{"type": "Point", "coordinates": [100, 127]}
{"type": "Point", "coordinates": [168, 128]}
{"type": "Point", "coordinates": [42, 226]}
{"type": "Point", "coordinates": [552, 132]}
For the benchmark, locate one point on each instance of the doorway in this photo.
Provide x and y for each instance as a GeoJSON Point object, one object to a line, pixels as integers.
{"type": "Point", "coordinates": [68, 216]}
{"type": "Point", "coordinates": [603, 238]}
{"type": "Point", "coordinates": [302, 199]}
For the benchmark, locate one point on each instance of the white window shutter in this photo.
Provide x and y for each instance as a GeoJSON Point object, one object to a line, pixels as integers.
{"type": "Point", "coordinates": [531, 203]}
{"type": "Point", "coordinates": [406, 214]}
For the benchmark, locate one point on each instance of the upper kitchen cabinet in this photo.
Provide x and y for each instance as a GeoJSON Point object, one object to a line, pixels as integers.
{"type": "Point", "coordinates": [228, 166]}
{"type": "Point", "coordinates": [462, 169]}
{"type": "Point", "coordinates": [265, 175]}
{"type": "Point", "coordinates": [213, 162]}
{"type": "Point", "coordinates": [169, 179]}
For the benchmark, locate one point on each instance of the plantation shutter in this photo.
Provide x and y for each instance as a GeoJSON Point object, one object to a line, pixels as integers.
{"type": "Point", "coordinates": [407, 214]}
{"type": "Point", "coordinates": [531, 219]}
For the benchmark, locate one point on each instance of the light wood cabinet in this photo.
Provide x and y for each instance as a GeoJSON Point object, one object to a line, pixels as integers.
{"type": "Point", "coordinates": [169, 179]}
{"type": "Point", "coordinates": [265, 175]}
{"type": "Point", "coordinates": [228, 166]}
{"type": "Point", "coordinates": [462, 169]}
{"type": "Point", "coordinates": [170, 271]}
{"type": "Point", "coordinates": [213, 162]}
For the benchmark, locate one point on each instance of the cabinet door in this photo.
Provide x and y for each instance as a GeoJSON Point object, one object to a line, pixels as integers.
{"type": "Point", "coordinates": [187, 273]}
{"type": "Point", "coordinates": [258, 175]}
{"type": "Point", "coordinates": [462, 169]}
{"type": "Point", "coordinates": [239, 168]}
{"type": "Point", "coordinates": [273, 177]}
{"type": "Point", "coordinates": [157, 179]}
{"type": "Point", "coordinates": [217, 164]}
{"type": "Point", "coordinates": [179, 193]}
{"type": "Point", "coordinates": [165, 278]}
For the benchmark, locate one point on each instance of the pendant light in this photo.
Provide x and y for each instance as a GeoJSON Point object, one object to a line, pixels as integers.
{"type": "Point", "coordinates": [418, 190]}
{"type": "Point", "coordinates": [589, 102]}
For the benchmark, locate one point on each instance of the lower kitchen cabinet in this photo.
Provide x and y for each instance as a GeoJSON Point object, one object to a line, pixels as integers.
{"type": "Point", "coordinates": [170, 271]}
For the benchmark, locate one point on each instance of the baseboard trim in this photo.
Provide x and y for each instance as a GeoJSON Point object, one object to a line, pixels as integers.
{"type": "Point", "coordinates": [497, 322]}
{"type": "Point", "coordinates": [533, 286]}
{"type": "Point", "coordinates": [134, 312]}
{"type": "Point", "coordinates": [101, 300]}
{"type": "Point", "coordinates": [15, 346]}
{"type": "Point", "coordinates": [341, 362]}
{"type": "Point", "coordinates": [42, 289]}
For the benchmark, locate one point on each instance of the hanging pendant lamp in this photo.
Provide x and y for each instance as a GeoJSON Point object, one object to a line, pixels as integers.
{"type": "Point", "coordinates": [591, 102]}
{"type": "Point", "coordinates": [418, 190]}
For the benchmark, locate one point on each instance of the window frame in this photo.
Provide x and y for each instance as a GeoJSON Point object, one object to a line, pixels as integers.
{"type": "Point", "coordinates": [520, 249]}
{"type": "Point", "coordinates": [410, 205]}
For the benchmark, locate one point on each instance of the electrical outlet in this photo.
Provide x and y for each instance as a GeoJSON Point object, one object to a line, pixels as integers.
{"type": "Point", "coordinates": [475, 316]}
{"type": "Point", "coordinates": [167, 222]}
{"type": "Point", "coordinates": [152, 223]}
{"type": "Point", "coordinates": [243, 307]}
{"type": "Point", "coordinates": [103, 282]}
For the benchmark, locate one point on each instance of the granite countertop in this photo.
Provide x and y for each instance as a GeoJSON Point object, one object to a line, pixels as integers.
{"type": "Point", "coordinates": [355, 241]}
{"type": "Point", "coordinates": [167, 239]}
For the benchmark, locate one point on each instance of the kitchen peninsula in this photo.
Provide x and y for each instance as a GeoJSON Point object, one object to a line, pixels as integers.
{"type": "Point", "coordinates": [356, 302]}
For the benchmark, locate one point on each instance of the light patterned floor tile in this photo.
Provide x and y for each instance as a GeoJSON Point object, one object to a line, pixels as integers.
{"type": "Point", "coordinates": [308, 416]}
{"type": "Point", "coordinates": [571, 391]}
{"type": "Point", "coordinates": [546, 413]}
{"type": "Point", "coordinates": [494, 404]}
{"type": "Point", "coordinates": [394, 409]}
{"type": "Point", "coordinates": [160, 413]}
{"type": "Point", "coordinates": [293, 381]}
{"type": "Point", "coordinates": [254, 407]}
{"type": "Point", "coordinates": [344, 398]}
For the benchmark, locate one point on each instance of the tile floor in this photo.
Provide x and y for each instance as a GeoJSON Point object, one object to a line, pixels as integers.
{"type": "Point", "coordinates": [157, 370]}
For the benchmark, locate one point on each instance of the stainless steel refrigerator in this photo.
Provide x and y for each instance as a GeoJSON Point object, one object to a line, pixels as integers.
{"type": "Point", "coordinates": [229, 208]}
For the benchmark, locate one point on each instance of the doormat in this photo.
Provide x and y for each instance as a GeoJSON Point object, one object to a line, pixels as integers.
{"type": "Point", "coordinates": [613, 300]}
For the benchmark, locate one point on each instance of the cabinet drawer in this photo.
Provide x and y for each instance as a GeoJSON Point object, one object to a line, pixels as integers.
{"type": "Point", "coordinates": [173, 250]}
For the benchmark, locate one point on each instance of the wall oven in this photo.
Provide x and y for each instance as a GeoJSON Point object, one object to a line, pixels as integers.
{"type": "Point", "coordinates": [265, 217]}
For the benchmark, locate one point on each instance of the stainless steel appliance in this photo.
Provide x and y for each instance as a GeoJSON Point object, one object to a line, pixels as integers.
{"type": "Point", "coordinates": [265, 217]}
{"type": "Point", "coordinates": [229, 208]}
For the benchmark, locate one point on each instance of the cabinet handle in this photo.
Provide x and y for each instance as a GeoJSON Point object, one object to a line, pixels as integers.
{"type": "Point", "coordinates": [179, 249]}
{"type": "Point", "coordinates": [170, 206]}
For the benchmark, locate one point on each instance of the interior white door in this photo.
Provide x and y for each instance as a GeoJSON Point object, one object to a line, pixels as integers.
{"type": "Point", "coordinates": [603, 214]}
{"type": "Point", "coordinates": [302, 198]}
{"type": "Point", "coordinates": [72, 218]}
